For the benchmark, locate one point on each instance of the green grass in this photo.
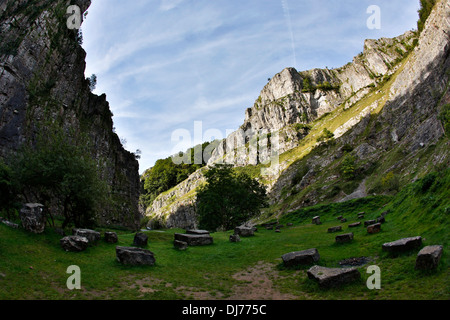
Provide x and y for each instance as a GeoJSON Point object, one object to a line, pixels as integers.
{"type": "Point", "coordinates": [34, 266]}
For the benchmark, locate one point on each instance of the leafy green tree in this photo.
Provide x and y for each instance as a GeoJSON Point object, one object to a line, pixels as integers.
{"type": "Point", "coordinates": [228, 199]}
{"type": "Point", "coordinates": [348, 167]}
{"type": "Point", "coordinates": [58, 169]}
{"type": "Point", "coordinates": [426, 6]}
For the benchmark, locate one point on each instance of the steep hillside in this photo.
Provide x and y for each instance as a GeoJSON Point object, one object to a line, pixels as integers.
{"type": "Point", "coordinates": [381, 115]}
{"type": "Point", "coordinates": [42, 81]}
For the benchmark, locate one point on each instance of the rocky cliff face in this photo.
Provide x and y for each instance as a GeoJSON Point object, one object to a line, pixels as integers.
{"type": "Point", "coordinates": [382, 107]}
{"type": "Point", "coordinates": [293, 97]}
{"type": "Point", "coordinates": [42, 78]}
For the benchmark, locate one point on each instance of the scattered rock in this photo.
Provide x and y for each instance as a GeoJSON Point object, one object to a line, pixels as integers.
{"type": "Point", "coordinates": [343, 220]}
{"type": "Point", "coordinates": [304, 257]}
{"type": "Point", "coordinates": [33, 217]}
{"type": "Point", "coordinates": [244, 231]}
{"type": "Point", "coordinates": [279, 227]}
{"type": "Point", "coordinates": [235, 238]}
{"type": "Point", "coordinates": [140, 239]}
{"type": "Point", "coordinates": [344, 238]}
{"type": "Point", "coordinates": [334, 229]}
{"type": "Point", "coordinates": [290, 224]}
{"type": "Point", "coordinates": [374, 228]}
{"type": "Point", "coordinates": [353, 225]}
{"type": "Point", "coordinates": [269, 228]}
{"type": "Point", "coordinates": [333, 277]}
{"type": "Point", "coordinates": [91, 235]}
{"type": "Point", "coordinates": [180, 245]}
{"type": "Point", "coordinates": [428, 258]}
{"type": "Point", "coordinates": [340, 217]}
{"type": "Point", "coordinates": [74, 243]}
{"type": "Point", "coordinates": [194, 240]}
{"type": "Point", "coordinates": [381, 219]}
{"type": "Point", "coordinates": [316, 220]}
{"type": "Point", "coordinates": [403, 245]}
{"type": "Point", "coordinates": [385, 213]}
{"type": "Point", "coordinates": [369, 222]}
{"type": "Point", "coordinates": [111, 237]}
{"type": "Point", "coordinates": [135, 256]}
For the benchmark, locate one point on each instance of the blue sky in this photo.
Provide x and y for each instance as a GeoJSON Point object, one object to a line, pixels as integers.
{"type": "Point", "coordinates": [165, 64]}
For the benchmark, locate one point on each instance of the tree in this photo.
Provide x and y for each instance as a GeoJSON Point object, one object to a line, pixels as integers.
{"type": "Point", "coordinates": [92, 82]}
{"type": "Point", "coordinates": [59, 170]}
{"type": "Point", "coordinates": [8, 189]}
{"type": "Point", "coordinates": [228, 199]}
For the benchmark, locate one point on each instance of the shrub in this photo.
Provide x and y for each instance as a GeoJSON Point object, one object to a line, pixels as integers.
{"type": "Point", "coordinates": [444, 116]}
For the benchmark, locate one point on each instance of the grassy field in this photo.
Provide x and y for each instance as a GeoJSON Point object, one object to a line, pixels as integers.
{"type": "Point", "coordinates": [34, 266]}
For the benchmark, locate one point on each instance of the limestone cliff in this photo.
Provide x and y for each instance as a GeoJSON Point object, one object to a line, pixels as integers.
{"type": "Point", "coordinates": [382, 107]}
{"type": "Point", "coordinates": [42, 78]}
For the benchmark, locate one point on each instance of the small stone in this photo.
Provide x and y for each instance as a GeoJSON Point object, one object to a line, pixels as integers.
{"type": "Point", "coordinates": [374, 228]}
{"type": "Point", "coordinates": [140, 239]}
{"type": "Point", "coordinates": [334, 229]}
{"type": "Point", "coordinates": [235, 238]}
{"type": "Point", "coordinates": [316, 220]}
{"type": "Point", "coordinates": [180, 245]}
{"type": "Point", "coordinates": [74, 243]}
{"type": "Point", "coordinates": [111, 237]}
{"type": "Point", "coordinates": [343, 220]}
{"type": "Point", "coordinates": [344, 238]}
{"type": "Point", "coordinates": [369, 222]}
{"type": "Point", "coordinates": [381, 220]}
{"type": "Point", "coordinates": [353, 225]}
{"type": "Point", "coordinates": [428, 258]}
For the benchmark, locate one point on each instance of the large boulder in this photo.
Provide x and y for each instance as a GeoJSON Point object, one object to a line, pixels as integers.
{"type": "Point", "coordinates": [403, 245]}
{"type": "Point", "coordinates": [74, 243]}
{"type": "Point", "coordinates": [33, 217]}
{"type": "Point", "coordinates": [92, 236]}
{"type": "Point", "coordinates": [135, 256]}
{"type": "Point", "coordinates": [374, 228]}
{"type": "Point", "coordinates": [305, 257]}
{"type": "Point", "coordinates": [428, 258]}
{"type": "Point", "coordinates": [194, 239]}
{"type": "Point", "coordinates": [333, 277]}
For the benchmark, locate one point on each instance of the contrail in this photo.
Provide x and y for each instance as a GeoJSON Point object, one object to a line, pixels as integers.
{"type": "Point", "coordinates": [287, 16]}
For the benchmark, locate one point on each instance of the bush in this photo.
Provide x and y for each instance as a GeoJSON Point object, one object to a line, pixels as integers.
{"type": "Point", "coordinates": [444, 116]}
{"type": "Point", "coordinates": [58, 170]}
{"type": "Point", "coordinates": [228, 199]}
{"type": "Point", "coordinates": [347, 167]}
{"type": "Point", "coordinates": [426, 6]}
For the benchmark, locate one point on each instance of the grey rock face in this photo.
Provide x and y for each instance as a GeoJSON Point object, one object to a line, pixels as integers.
{"type": "Point", "coordinates": [33, 217]}
{"type": "Point", "coordinates": [304, 257]}
{"type": "Point", "coordinates": [333, 277]}
{"type": "Point", "coordinates": [42, 78]}
{"type": "Point", "coordinates": [428, 258]}
{"type": "Point", "coordinates": [135, 256]}
{"type": "Point", "coordinates": [92, 236]}
{"type": "Point", "coordinates": [403, 245]}
{"type": "Point", "coordinates": [74, 243]}
{"type": "Point", "coordinates": [194, 240]}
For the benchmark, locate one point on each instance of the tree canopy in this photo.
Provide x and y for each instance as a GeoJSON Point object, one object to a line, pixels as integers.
{"type": "Point", "coordinates": [228, 199]}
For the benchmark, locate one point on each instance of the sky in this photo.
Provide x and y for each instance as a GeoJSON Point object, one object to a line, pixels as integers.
{"type": "Point", "coordinates": [197, 65]}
